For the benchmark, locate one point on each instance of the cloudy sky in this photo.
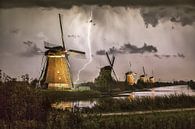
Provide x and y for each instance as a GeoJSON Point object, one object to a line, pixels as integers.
{"type": "Point", "coordinates": [160, 37]}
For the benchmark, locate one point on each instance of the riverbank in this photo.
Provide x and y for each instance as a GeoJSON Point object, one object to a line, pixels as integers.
{"type": "Point", "coordinates": [75, 120]}
{"type": "Point", "coordinates": [55, 95]}
{"type": "Point", "coordinates": [23, 107]}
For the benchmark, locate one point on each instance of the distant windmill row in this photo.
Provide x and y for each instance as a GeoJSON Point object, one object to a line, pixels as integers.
{"type": "Point", "coordinates": [130, 77]}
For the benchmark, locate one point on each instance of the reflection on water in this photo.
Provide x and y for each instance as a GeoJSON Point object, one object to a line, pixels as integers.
{"type": "Point", "coordinates": [63, 105]}
{"type": "Point", "coordinates": [73, 104]}
{"type": "Point", "coordinates": [160, 91]}
{"type": "Point", "coordinates": [163, 91]}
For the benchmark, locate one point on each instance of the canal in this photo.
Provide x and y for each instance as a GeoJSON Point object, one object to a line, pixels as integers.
{"type": "Point", "coordinates": [153, 92]}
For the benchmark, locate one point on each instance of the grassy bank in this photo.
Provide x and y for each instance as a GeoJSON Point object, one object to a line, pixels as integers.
{"type": "Point", "coordinates": [54, 96]}
{"type": "Point", "coordinates": [70, 120]}
{"type": "Point", "coordinates": [140, 104]}
{"type": "Point", "coordinates": [22, 107]}
{"type": "Point", "coordinates": [176, 120]}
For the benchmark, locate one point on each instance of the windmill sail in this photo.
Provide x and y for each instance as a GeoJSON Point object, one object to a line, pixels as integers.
{"type": "Point", "coordinates": [144, 71]}
{"type": "Point", "coordinates": [62, 33]}
{"type": "Point", "coordinates": [76, 53]}
{"type": "Point", "coordinates": [111, 64]}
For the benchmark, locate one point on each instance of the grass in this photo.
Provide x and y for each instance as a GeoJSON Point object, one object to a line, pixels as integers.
{"type": "Point", "coordinates": [54, 95]}
{"type": "Point", "coordinates": [176, 120]}
{"type": "Point", "coordinates": [23, 107]}
{"type": "Point", "coordinates": [140, 104]}
{"type": "Point", "coordinates": [70, 120]}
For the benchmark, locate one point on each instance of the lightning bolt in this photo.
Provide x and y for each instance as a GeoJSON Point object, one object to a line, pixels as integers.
{"type": "Point", "coordinates": [89, 46]}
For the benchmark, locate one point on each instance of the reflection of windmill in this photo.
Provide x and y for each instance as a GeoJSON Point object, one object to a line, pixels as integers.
{"type": "Point", "coordinates": [56, 70]}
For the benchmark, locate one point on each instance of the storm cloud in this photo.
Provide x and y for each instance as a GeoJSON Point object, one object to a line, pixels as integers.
{"type": "Point", "coordinates": [178, 55]}
{"type": "Point", "coordinates": [184, 15]}
{"type": "Point", "coordinates": [70, 3]}
{"type": "Point", "coordinates": [129, 49]}
{"type": "Point", "coordinates": [31, 49]}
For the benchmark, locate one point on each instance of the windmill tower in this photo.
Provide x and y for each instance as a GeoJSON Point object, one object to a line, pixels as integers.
{"type": "Point", "coordinates": [56, 72]}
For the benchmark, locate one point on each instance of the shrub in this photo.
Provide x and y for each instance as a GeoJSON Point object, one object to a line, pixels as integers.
{"type": "Point", "coordinates": [20, 102]}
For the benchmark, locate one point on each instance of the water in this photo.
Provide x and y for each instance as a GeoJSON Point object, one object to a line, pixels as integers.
{"type": "Point", "coordinates": [67, 105]}
{"type": "Point", "coordinates": [160, 91]}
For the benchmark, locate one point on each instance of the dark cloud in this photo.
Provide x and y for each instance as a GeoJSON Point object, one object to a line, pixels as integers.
{"type": "Point", "coordinates": [101, 52]}
{"type": "Point", "coordinates": [129, 48]}
{"type": "Point", "coordinates": [31, 49]}
{"type": "Point", "coordinates": [178, 55]}
{"type": "Point", "coordinates": [184, 15]}
{"type": "Point", "coordinates": [70, 3]}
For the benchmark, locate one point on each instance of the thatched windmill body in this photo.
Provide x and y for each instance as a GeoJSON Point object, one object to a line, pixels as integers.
{"type": "Point", "coordinates": [56, 69]}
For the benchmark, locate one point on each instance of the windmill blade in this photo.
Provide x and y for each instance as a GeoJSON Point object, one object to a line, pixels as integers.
{"type": "Point", "coordinates": [115, 74]}
{"type": "Point", "coordinates": [71, 79]}
{"type": "Point", "coordinates": [144, 70]}
{"type": "Point", "coordinates": [130, 64]}
{"type": "Point", "coordinates": [112, 65]}
{"type": "Point", "coordinates": [108, 59]}
{"type": "Point", "coordinates": [62, 33]}
{"type": "Point", "coordinates": [113, 59]}
{"type": "Point", "coordinates": [76, 53]}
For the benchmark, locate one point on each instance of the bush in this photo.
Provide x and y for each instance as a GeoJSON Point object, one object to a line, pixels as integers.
{"type": "Point", "coordinates": [20, 102]}
{"type": "Point", "coordinates": [191, 84]}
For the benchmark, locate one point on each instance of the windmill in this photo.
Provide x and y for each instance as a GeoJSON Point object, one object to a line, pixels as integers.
{"type": "Point", "coordinates": [105, 81]}
{"type": "Point", "coordinates": [130, 76]}
{"type": "Point", "coordinates": [143, 77]}
{"type": "Point", "coordinates": [106, 71]}
{"type": "Point", "coordinates": [110, 66]}
{"type": "Point", "coordinates": [152, 79]}
{"type": "Point", "coordinates": [56, 69]}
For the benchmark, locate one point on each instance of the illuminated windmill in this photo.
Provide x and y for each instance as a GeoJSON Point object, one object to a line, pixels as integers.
{"type": "Point", "coordinates": [56, 72]}
{"type": "Point", "coordinates": [130, 77]}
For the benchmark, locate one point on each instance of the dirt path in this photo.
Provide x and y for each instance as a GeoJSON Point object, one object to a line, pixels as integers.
{"type": "Point", "coordinates": [145, 112]}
